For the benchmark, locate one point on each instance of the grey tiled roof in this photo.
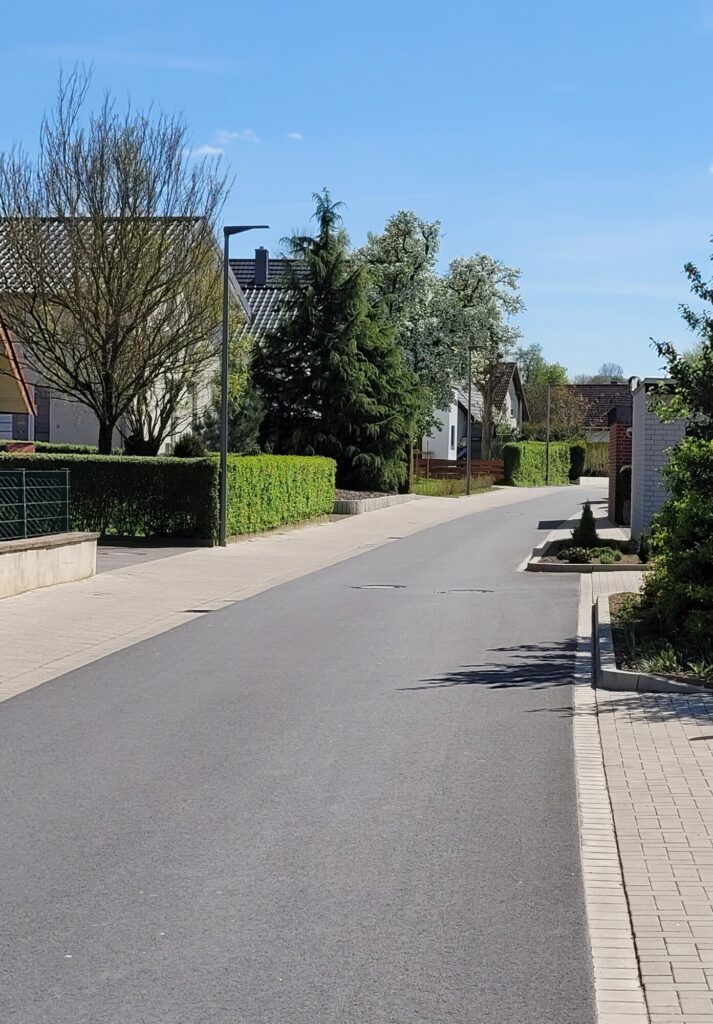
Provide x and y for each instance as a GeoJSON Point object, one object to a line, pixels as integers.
{"type": "Point", "coordinates": [601, 398]}
{"type": "Point", "coordinates": [54, 255]}
{"type": "Point", "coordinates": [266, 301]}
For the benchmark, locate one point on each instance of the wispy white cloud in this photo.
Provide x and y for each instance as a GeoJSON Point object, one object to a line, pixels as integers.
{"type": "Point", "coordinates": [133, 58]}
{"type": "Point", "coordinates": [295, 136]}
{"type": "Point", "coordinates": [246, 135]}
{"type": "Point", "coordinates": [205, 150]}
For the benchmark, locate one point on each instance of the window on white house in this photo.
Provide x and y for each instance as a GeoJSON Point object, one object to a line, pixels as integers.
{"type": "Point", "coordinates": [453, 436]}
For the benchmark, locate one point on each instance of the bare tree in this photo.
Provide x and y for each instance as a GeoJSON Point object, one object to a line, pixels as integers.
{"type": "Point", "coordinates": [109, 271]}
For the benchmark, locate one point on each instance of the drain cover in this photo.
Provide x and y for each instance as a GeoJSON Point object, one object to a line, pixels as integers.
{"type": "Point", "coordinates": [381, 586]}
{"type": "Point", "coordinates": [465, 590]}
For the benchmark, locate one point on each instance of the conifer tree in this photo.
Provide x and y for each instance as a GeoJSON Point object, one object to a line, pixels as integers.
{"type": "Point", "coordinates": [333, 379]}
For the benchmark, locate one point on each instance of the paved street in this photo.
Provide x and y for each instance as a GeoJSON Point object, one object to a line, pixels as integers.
{"type": "Point", "coordinates": [343, 800]}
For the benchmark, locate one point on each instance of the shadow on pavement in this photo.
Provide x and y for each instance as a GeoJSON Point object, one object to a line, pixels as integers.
{"type": "Point", "coordinates": [538, 666]}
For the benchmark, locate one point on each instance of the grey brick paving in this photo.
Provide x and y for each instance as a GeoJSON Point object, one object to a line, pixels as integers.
{"type": "Point", "coordinates": [657, 754]}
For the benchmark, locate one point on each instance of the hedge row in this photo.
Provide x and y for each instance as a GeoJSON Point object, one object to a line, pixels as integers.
{"type": "Point", "coordinates": [526, 463]}
{"type": "Point", "coordinates": [265, 491]}
{"type": "Point", "coordinates": [57, 448]}
{"type": "Point", "coordinates": [118, 495]}
{"type": "Point", "coordinates": [130, 496]}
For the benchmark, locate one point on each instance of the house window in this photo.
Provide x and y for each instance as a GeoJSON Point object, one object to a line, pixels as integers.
{"type": "Point", "coordinates": [453, 436]}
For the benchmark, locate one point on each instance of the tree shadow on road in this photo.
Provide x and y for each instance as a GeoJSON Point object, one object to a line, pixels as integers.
{"type": "Point", "coordinates": [538, 666]}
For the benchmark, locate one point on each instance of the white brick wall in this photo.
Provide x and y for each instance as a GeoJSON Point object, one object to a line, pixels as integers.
{"type": "Point", "coordinates": [650, 445]}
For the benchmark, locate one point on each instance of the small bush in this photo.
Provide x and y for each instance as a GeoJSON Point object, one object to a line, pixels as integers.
{"type": "Point", "coordinates": [525, 463]}
{"type": "Point", "coordinates": [630, 547]}
{"type": "Point", "coordinates": [577, 457]}
{"type": "Point", "coordinates": [585, 534]}
{"type": "Point", "coordinates": [190, 446]}
{"type": "Point", "coordinates": [607, 556]}
{"type": "Point", "coordinates": [579, 555]}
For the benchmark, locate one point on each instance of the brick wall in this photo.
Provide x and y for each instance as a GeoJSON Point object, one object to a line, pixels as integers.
{"type": "Point", "coordinates": [619, 455]}
{"type": "Point", "coordinates": [651, 442]}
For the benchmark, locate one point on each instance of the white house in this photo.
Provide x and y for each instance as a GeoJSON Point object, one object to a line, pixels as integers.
{"type": "Point", "coordinates": [448, 440]}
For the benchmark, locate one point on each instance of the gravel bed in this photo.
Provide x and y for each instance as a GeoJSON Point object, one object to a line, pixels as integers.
{"type": "Point", "coordinates": [342, 495]}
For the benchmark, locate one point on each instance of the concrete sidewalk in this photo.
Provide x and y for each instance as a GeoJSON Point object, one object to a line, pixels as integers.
{"type": "Point", "coordinates": [48, 632]}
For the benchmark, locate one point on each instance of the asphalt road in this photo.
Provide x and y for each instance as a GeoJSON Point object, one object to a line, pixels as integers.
{"type": "Point", "coordinates": [329, 804]}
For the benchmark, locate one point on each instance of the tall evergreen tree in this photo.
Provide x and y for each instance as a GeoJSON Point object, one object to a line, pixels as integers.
{"type": "Point", "coordinates": [333, 379]}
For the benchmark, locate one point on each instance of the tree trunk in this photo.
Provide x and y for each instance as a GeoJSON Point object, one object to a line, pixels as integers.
{"type": "Point", "coordinates": [106, 436]}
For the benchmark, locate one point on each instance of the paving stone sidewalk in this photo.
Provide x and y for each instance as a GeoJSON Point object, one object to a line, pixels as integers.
{"type": "Point", "coordinates": [657, 754]}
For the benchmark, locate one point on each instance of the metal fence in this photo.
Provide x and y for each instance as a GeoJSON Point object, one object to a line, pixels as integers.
{"type": "Point", "coordinates": [33, 502]}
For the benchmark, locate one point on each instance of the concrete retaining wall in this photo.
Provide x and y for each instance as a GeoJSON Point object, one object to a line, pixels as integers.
{"type": "Point", "coordinates": [43, 561]}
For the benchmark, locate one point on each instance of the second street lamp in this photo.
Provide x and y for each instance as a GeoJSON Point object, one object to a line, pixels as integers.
{"type": "Point", "coordinates": [228, 230]}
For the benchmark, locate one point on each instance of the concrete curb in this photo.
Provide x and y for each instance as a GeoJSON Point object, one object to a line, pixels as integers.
{"type": "Point", "coordinates": [356, 506]}
{"type": "Point", "coordinates": [609, 677]}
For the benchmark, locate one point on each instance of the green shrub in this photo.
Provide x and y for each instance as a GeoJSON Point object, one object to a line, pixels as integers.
{"type": "Point", "coordinates": [265, 491]}
{"type": "Point", "coordinates": [597, 460]}
{"type": "Point", "coordinates": [579, 555]}
{"type": "Point", "coordinates": [190, 446]}
{"type": "Point", "coordinates": [119, 495]}
{"type": "Point", "coordinates": [585, 534]}
{"type": "Point", "coordinates": [678, 592]}
{"type": "Point", "coordinates": [526, 463]}
{"type": "Point", "coordinates": [577, 457]}
{"type": "Point", "coordinates": [607, 556]}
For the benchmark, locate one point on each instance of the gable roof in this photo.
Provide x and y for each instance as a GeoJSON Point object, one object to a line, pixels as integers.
{"type": "Point", "coordinates": [506, 374]}
{"type": "Point", "coordinates": [266, 300]}
{"type": "Point", "coordinates": [15, 396]}
{"type": "Point", "coordinates": [56, 248]}
{"type": "Point", "coordinates": [602, 398]}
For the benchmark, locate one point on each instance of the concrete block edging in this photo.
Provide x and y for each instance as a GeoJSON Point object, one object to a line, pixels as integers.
{"type": "Point", "coordinates": [356, 506]}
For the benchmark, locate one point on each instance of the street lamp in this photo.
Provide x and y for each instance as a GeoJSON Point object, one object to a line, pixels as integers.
{"type": "Point", "coordinates": [228, 230]}
{"type": "Point", "coordinates": [469, 432]}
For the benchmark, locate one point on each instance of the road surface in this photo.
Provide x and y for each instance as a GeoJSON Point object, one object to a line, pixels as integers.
{"type": "Point", "coordinates": [348, 800]}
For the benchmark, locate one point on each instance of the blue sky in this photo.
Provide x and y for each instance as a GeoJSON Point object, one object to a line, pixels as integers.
{"type": "Point", "coordinates": [572, 140]}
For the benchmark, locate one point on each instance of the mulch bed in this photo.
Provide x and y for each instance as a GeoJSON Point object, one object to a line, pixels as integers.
{"type": "Point", "coordinates": [626, 662]}
{"type": "Point", "coordinates": [628, 559]}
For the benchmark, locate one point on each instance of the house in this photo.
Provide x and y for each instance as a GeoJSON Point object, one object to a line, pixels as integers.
{"type": "Point", "coordinates": [447, 441]}
{"type": "Point", "coordinates": [651, 441]}
{"type": "Point", "coordinates": [263, 281]}
{"type": "Point", "coordinates": [17, 405]}
{"type": "Point", "coordinates": [601, 399]}
{"type": "Point", "coordinates": [52, 416]}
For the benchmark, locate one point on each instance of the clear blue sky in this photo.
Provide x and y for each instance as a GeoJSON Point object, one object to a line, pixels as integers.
{"type": "Point", "coordinates": [572, 140]}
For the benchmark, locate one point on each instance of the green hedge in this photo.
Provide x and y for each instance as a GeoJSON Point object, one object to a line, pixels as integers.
{"type": "Point", "coordinates": [597, 461]}
{"type": "Point", "coordinates": [526, 463]}
{"type": "Point", "coordinates": [131, 496]}
{"type": "Point", "coordinates": [52, 448]}
{"type": "Point", "coordinates": [119, 495]}
{"type": "Point", "coordinates": [265, 491]}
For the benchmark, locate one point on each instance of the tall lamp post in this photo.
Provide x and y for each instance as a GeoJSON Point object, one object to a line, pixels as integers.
{"type": "Point", "coordinates": [228, 230]}
{"type": "Point", "coordinates": [469, 429]}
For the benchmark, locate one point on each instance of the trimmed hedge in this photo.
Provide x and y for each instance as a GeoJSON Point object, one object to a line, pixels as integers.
{"type": "Point", "coordinates": [133, 496]}
{"type": "Point", "coordinates": [526, 463]}
{"type": "Point", "coordinates": [597, 462]}
{"type": "Point", "coordinates": [52, 448]}
{"type": "Point", "coordinates": [124, 496]}
{"type": "Point", "coordinates": [265, 491]}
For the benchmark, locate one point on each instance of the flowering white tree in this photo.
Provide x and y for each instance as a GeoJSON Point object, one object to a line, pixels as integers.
{"type": "Point", "coordinates": [486, 292]}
